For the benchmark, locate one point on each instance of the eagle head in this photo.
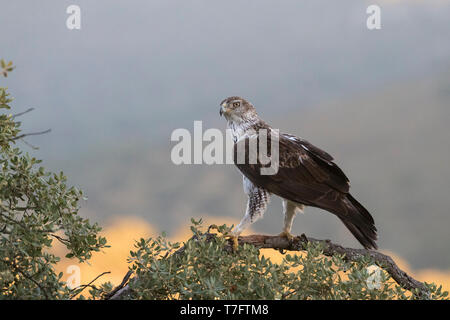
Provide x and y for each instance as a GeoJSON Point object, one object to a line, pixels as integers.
{"type": "Point", "coordinates": [237, 109]}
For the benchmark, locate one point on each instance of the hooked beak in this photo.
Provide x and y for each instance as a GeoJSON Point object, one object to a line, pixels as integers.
{"type": "Point", "coordinates": [223, 109]}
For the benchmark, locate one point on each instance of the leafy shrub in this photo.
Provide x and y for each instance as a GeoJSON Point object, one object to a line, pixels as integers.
{"type": "Point", "coordinates": [37, 207]}
{"type": "Point", "coordinates": [205, 268]}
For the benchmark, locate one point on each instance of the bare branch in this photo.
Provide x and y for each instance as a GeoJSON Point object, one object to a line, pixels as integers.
{"type": "Point", "coordinates": [22, 113]}
{"type": "Point", "coordinates": [110, 295]}
{"type": "Point", "coordinates": [30, 145]}
{"type": "Point", "coordinates": [84, 286]}
{"type": "Point", "coordinates": [60, 239]}
{"type": "Point", "coordinates": [31, 134]}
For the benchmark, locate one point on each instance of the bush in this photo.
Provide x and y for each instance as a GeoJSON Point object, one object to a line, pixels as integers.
{"type": "Point", "coordinates": [37, 207]}
{"type": "Point", "coordinates": [204, 268]}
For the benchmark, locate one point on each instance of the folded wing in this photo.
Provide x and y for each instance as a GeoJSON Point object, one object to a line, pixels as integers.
{"type": "Point", "coordinates": [308, 175]}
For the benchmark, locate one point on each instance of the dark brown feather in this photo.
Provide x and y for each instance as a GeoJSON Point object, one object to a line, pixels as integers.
{"type": "Point", "coordinates": [308, 175]}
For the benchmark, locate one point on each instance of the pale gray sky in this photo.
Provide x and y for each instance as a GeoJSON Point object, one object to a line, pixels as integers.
{"type": "Point", "coordinates": [138, 69]}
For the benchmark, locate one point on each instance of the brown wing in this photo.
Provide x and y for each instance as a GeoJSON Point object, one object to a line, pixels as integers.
{"type": "Point", "coordinates": [309, 176]}
{"type": "Point", "coordinates": [306, 174]}
{"type": "Point", "coordinates": [318, 162]}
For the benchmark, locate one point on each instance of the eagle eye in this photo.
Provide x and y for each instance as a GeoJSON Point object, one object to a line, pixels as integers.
{"type": "Point", "coordinates": [236, 104]}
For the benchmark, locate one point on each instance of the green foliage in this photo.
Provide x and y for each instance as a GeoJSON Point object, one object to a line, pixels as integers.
{"type": "Point", "coordinates": [6, 67]}
{"type": "Point", "coordinates": [8, 127]}
{"type": "Point", "coordinates": [203, 269]}
{"type": "Point", "coordinates": [36, 208]}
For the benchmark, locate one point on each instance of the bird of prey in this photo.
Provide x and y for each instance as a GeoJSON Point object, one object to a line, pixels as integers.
{"type": "Point", "coordinates": [306, 176]}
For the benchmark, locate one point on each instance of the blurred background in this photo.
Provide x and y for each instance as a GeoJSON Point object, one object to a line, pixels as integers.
{"type": "Point", "coordinates": [113, 92]}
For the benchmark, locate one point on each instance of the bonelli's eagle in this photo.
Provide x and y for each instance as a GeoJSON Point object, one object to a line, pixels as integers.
{"type": "Point", "coordinates": [305, 176]}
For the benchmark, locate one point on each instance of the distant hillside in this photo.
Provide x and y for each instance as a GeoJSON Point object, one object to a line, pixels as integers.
{"type": "Point", "coordinates": [393, 144]}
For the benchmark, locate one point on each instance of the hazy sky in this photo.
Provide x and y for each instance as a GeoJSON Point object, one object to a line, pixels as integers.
{"type": "Point", "coordinates": [139, 69]}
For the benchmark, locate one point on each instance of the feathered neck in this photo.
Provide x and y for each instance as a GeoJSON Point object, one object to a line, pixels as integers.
{"type": "Point", "coordinates": [242, 127]}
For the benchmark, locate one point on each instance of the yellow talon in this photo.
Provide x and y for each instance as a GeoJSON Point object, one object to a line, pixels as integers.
{"type": "Point", "coordinates": [231, 237]}
{"type": "Point", "coordinates": [234, 239]}
{"type": "Point", "coordinates": [287, 235]}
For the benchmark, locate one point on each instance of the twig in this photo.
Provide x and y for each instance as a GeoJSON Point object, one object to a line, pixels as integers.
{"type": "Point", "coordinates": [84, 286]}
{"type": "Point", "coordinates": [30, 277]}
{"type": "Point", "coordinates": [31, 134]}
{"type": "Point", "coordinates": [60, 239]}
{"type": "Point", "coordinates": [22, 113]}
{"type": "Point", "coordinates": [30, 145]}
{"type": "Point", "coordinates": [111, 294]}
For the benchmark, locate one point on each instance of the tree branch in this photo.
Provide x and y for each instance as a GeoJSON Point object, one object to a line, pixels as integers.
{"type": "Point", "coordinates": [300, 243]}
{"type": "Point", "coordinates": [114, 294]}
{"type": "Point", "coordinates": [30, 277]}
{"type": "Point", "coordinates": [76, 291]}
{"type": "Point", "coordinates": [22, 113]}
{"type": "Point", "coordinates": [31, 134]}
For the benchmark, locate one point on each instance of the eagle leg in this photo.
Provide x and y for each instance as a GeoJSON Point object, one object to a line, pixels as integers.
{"type": "Point", "coordinates": [234, 240]}
{"type": "Point", "coordinates": [233, 237]}
{"type": "Point", "coordinates": [287, 235]}
{"type": "Point", "coordinates": [290, 209]}
{"type": "Point", "coordinates": [258, 199]}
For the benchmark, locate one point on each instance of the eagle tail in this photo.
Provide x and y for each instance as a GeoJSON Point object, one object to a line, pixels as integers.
{"type": "Point", "coordinates": [360, 223]}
